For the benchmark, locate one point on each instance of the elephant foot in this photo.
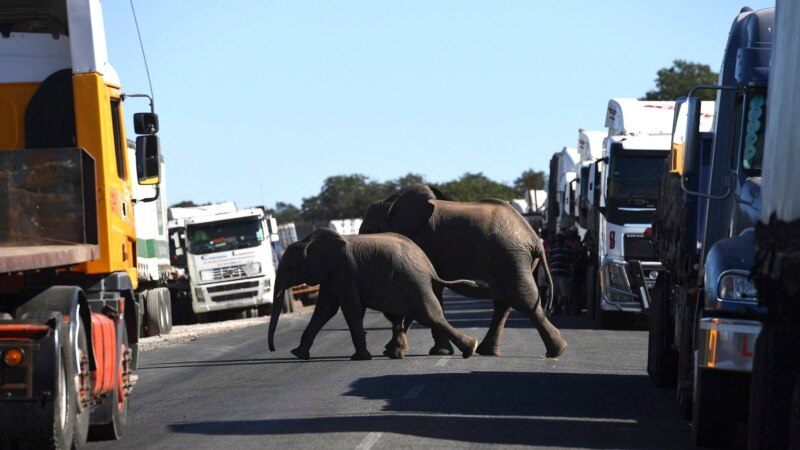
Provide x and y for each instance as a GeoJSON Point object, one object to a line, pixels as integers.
{"type": "Point", "coordinates": [562, 347]}
{"type": "Point", "coordinates": [362, 355]}
{"type": "Point", "coordinates": [473, 345]}
{"type": "Point", "coordinates": [392, 345]}
{"type": "Point", "coordinates": [441, 350]}
{"type": "Point", "coordinates": [488, 350]}
{"type": "Point", "coordinates": [302, 354]}
{"type": "Point", "coordinates": [394, 353]}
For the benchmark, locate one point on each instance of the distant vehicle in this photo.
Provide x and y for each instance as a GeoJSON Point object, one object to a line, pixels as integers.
{"type": "Point", "coordinates": [634, 150]}
{"type": "Point", "coordinates": [229, 260]}
{"type": "Point", "coordinates": [561, 190]}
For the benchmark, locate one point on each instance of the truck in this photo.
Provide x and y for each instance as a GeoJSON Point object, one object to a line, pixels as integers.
{"type": "Point", "coordinates": [69, 315]}
{"type": "Point", "coordinates": [774, 413]}
{"type": "Point", "coordinates": [705, 313]}
{"type": "Point", "coordinates": [230, 268]}
{"type": "Point", "coordinates": [560, 192]}
{"type": "Point", "coordinates": [637, 142]}
{"type": "Point", "coordinates": [152, 262]}
{"type": "Point", "coordinates": [587, 211]}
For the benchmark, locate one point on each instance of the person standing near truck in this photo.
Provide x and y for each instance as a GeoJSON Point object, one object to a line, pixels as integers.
{"type": "Point", "coordinates": [560, 260]}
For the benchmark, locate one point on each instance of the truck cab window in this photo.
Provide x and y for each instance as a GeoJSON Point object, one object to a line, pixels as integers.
{"type": "Point", "coordinates": [119, 146]}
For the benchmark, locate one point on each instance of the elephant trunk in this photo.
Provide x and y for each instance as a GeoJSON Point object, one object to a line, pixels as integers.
{"type": "Point", "coordinates": [277, 308]}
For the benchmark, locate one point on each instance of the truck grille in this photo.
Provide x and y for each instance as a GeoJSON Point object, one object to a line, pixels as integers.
{"type": "Point", "coordinates": [639, 246]}
{"type": "Point", "coordinates": [227, 273]}
{"type": "Point", "coordinates": [234, 291]}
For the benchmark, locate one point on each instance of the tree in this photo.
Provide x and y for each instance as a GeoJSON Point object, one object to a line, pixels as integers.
{"type": "Point", "coordinates": [472, 187]}
{"type": "Point", "coordinates": [342, 197]}
{"type": "Point", "coordinates": [285, 212]}
{"type": "Point", "coordinates": [184, 204]}
{"type": "Point", "coordinates": [676, 81]}
{"type": "Point", "coordinates": [530, 179]}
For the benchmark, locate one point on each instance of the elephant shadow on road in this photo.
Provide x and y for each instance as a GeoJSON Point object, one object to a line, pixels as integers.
{"type": "Point", "coordinates": [498, 408]}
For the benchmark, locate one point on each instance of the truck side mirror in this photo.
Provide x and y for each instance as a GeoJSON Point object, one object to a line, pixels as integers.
{"type": "Point", "coordinates": [148, 159]}
{"type": "Point", "coordinates": [145, 123]}
{"type": "Point", "coordinates": [692, 144]}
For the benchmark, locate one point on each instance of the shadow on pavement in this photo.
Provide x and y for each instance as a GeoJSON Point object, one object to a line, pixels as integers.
{"type": "Point", "coordinates": [544, 409]}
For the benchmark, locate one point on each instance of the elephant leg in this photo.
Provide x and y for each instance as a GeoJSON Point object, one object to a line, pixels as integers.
{"type": "Point", "coordinates": [398, 344]}
{"type": "Point", "coordinates": [553, 342]}
{"type": "Point", "coordinates": [325, 309]}
{"type": "Point", "coordinates": [441, 341]}
{"type": "Point", "coordinates": [490, 346]}
{"type": "Point", "coordinates": [521, 293]}
{"type": "Point", "coordinates": [355, 322]}
{"type": "Point", "coordinates": [435, 319]}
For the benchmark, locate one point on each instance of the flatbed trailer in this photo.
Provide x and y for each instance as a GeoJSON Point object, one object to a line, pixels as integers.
{"type": "Point", "coordinates": [21, 259]}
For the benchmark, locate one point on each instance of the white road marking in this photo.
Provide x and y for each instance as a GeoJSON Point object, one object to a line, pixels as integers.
{"type": "Point", "coordinates": [442, 362]}
{"type": "Point", "coordinates": [414, 392]}
{"type": "Point", "coordinates": [369, 440]}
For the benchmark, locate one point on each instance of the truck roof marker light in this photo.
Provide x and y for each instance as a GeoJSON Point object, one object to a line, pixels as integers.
{"type": "Point", "coordinates": [648, 231]}
{"type": "Point", "coordinates": [13, 357]}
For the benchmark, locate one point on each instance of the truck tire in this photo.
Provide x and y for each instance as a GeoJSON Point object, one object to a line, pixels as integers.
{"type": "Point", "coordinates": [775, 374]}
{"type": "Point", "coordinates": [153, 318]}
{"type": "Point", "coordinates": [166, 310]}
{"type": "Point", "coordinates": [662, 359]}
{"type": "Point", "coordinates": [81, 433]}
{"type": "Point", "coordinates": [115, 404]}
{"type": "Point", "coordinates": [720, 399]}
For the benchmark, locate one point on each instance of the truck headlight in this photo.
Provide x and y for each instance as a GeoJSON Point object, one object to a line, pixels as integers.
{"type": "Point", "coordinates": [206, 275]}
{"type": "Point", "coordinates": [252, 268]}
{"type": "Point", "coordinates": [737, 286]}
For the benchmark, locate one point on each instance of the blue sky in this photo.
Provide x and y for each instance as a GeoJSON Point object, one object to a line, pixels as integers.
{"type": "Point", "coordinates": [260, 101]}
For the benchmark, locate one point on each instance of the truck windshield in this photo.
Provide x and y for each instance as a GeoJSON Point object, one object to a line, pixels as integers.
{"type": "Point", "coordinates": [635, 177]}
{"type": "Point", "coordinates": [223, 236]}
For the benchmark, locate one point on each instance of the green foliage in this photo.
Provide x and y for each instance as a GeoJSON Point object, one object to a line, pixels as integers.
{"type": "Point", "coordinates": [530, 179]}
{"type": "Point", "coordinates": [472, 187]}
{"type": "Point", "coordinates": [349, 196]}
{"type": "Point", "coordinates": [184, 204]}
{"type": "Point", "coordinates": [676, 81]}
{"type": "Point", "coordinates": [285, 212]}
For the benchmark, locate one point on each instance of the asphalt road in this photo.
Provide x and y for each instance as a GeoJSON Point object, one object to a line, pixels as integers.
{"type": "Point", "coordinates": [228, 391]}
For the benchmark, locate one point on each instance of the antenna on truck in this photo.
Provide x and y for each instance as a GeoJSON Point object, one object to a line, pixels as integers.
{"type": "Point", "coordinates": [144, 57]}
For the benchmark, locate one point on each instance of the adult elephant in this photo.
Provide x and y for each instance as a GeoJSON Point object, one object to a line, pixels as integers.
{"type": "Point", "coordinates": [386, 272]}
{"type": "Point", "coordinates": [486, 241]}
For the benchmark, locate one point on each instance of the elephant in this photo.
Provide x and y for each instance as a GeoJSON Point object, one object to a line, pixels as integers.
{"type": "Point", "coordinates": [486, 241]}
{"type": "Point", "coordinates": [386, 272]}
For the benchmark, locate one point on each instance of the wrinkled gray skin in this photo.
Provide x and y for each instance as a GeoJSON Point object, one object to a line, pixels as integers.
{"type": "Point", "coordinates": [486, 241]}
{"type": "Point", "coordinates": [386, 272]}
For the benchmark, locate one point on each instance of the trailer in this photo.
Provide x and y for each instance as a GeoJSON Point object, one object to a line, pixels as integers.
{"type": "Point", "coordinates": [69, 315]}
{"type": "Point", "coordinates": [774, 413]}
{"type": "Point", "coordinates": [705, 313]}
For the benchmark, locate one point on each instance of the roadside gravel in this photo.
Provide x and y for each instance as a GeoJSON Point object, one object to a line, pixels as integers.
{"type": "Point", "coordinates": [185, 333]}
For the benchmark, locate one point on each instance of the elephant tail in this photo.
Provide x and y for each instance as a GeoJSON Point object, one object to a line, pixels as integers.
{"type": "Point", "coordinates": [277, 308]}
{"type": "Point", "coordinates": [466, 283]}
{"type": "Point", "coordinates": [548, 307]}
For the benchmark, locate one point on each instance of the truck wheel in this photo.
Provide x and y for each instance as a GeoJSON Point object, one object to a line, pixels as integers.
{"type": "Point", "coordinates": [115, 405]}
{"type": "Point", "coordinates": [152, 313]}
{"type": "Point", "coordinates": [662, 360]}
{"type": "Point", "coordinates": [62, 409]}
{"type": "Point", "coordinates": [775, 373]}
{"type": "Point", "coordinates": [166, 310]}
{"type": "Point", "coordinates": [720, 399]}
{"type": "Point", "coordinates": [82, 388]}
{"type": "Point", "coordinates": [608, 320]}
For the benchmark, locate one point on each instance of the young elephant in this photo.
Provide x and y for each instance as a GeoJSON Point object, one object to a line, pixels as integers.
{"type": "Point", "coordinates": [386, 272]}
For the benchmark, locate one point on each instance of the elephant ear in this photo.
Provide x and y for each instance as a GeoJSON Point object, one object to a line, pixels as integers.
{"type": "Point", "coordinates": [376, 220]}
{"type": "Point", "coordinates": [411, 210]}
{"type": "Point", "coordinates": [325, 251]}
{"type": "Point", "coordinates": [438, 193]}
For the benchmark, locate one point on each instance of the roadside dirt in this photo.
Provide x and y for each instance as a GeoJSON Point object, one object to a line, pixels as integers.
{"type": "Point", "coordinates": [186, 333]}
